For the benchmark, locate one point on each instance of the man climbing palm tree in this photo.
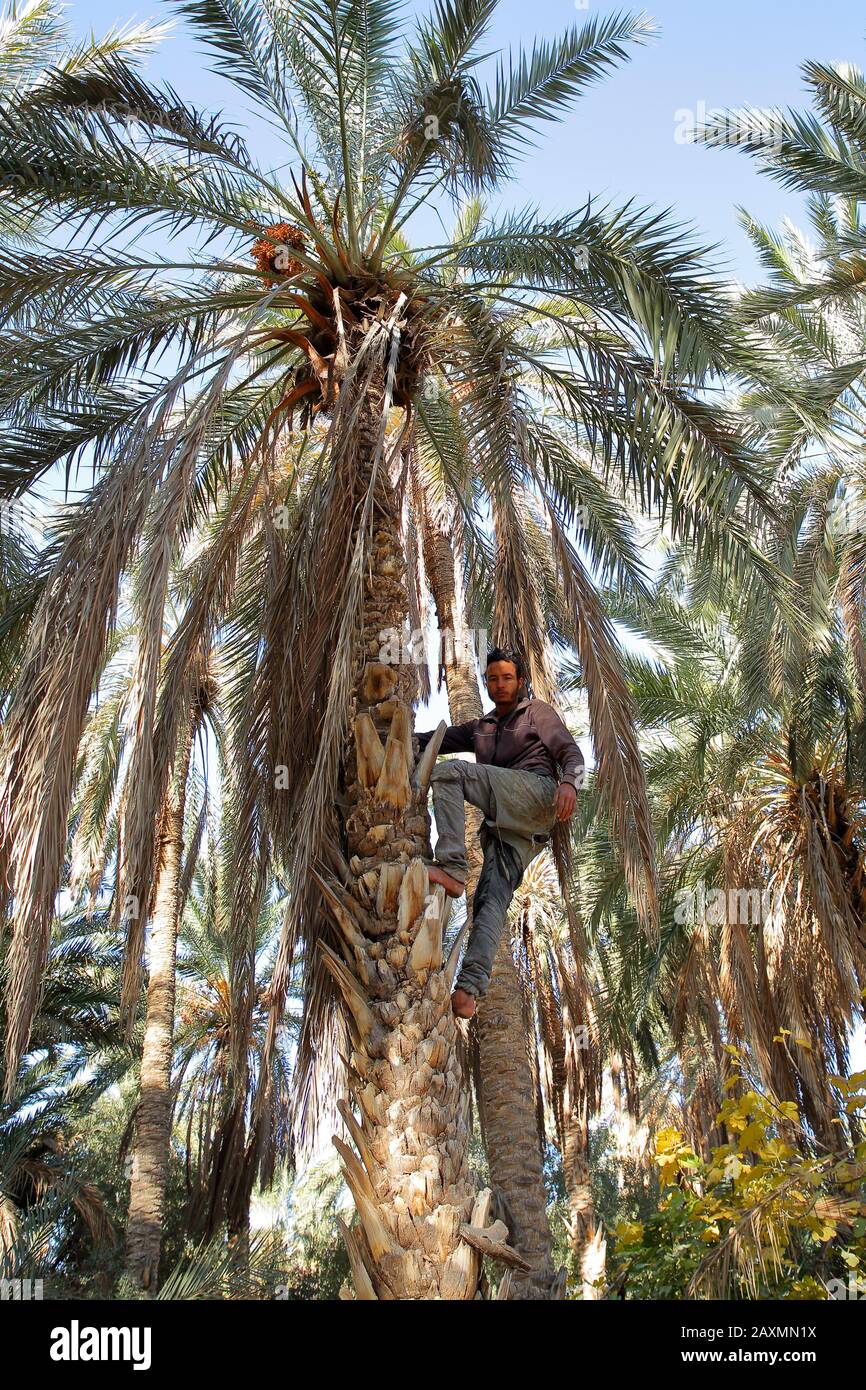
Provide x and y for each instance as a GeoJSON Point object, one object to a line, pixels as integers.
{"type": "Point", "coordinates": [521, 750]}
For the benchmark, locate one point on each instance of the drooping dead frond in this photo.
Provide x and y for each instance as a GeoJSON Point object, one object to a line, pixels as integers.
{"type": "Point", "coordinates": [94, 811]}
{"type": "Point", "coordinates": [187, 674]}
{"type": "Point", "coordinates": [311, 666]}
{"type": "Point", "coordinates": [456, 657]}
{"type": "Point", "coordinates": [518, 615]}
{"type": "Point", "coordinates": [413, 571]}
{"type": "Point", "coordinates": [619, 767]}
{"type": "Point", "coordinates": [324, 1041]}
{"type": "Point", "coordinates": [146, 781]}
{"type": "Point", "coordinates": [66, 645]}
{"type": "Point", "coordinates": [851, 588]}
{"type": "Point", "coordinates": [137, 808]}
{"type": "Point", "coordinates": [799, 963]}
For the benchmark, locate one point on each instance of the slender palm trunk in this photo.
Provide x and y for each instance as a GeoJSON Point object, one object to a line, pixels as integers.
{"type": "Point", "coordinates": [577, 1182]}
{"type": "Point", "coordinates": [153, 1115]}
{"type": "Point", "coordinates": [507, 1088]}
{"type": "Point", "coordinates": [420, 1232]}
{"type": "Point", "coordinates": [586, 1238]}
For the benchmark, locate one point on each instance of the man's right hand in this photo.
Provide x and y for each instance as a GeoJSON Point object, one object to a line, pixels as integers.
{"type": "Point", "coordinates": [566, 800]}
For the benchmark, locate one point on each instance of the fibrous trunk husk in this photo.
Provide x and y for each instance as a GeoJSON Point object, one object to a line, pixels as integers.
{"type": "Point", "coordinates": [408, 1113]}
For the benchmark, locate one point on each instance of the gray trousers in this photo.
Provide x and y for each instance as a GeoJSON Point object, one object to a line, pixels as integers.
{"type": "Point", "coordinates": [519, 810]}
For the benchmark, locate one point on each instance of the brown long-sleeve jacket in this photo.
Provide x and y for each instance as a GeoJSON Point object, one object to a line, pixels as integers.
{"type": "Point", "coordinates": [532, 738]}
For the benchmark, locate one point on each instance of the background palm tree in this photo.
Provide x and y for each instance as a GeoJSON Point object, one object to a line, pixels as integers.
{"type": "Point", "coordinates": [756, 775]}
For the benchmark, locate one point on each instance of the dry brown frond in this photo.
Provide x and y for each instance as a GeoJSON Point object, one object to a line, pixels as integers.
{"type": "Point", "coordinates": [146, 782]}
{"type": "Point", "coordinates": [518, 614]}
{"type": "Point", "coordinates": [801, 967]}
{"type": "Point", "coordinates": [66, 646]}
{"type": "Point", "coordinates": [851, 593]}
{"type": "Point", "coordinates": [311, 664]}
{"type": "Point", "coordinates": [619, 766]}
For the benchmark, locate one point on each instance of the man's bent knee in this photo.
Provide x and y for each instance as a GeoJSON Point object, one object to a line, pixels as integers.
{"type": "Point", "coordinates": [447, 772]}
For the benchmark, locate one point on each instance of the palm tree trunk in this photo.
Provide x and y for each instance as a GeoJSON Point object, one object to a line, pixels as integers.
{"type": "Point", "coordinates": [506, 1085]}
{"type": "Point", "coordinates": [153, 1115]}
{"type": "Point", "coordinates": [420, 1232]}
{"type": "Point", "coordinates": [510, 1125]}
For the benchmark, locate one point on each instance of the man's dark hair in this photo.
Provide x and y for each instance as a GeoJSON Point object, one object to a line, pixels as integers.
{"type": "Point", "coordinates": [506, 654]}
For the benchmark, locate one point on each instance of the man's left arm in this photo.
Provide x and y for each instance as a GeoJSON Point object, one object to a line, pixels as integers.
{"type": "Point", "coordinates": [566, 753]}
{"type": "Point", "coordinates": [560, 743]}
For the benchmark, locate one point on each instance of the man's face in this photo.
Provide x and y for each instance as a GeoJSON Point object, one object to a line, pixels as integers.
{"type": "Point", "coordinates": [503, 683]}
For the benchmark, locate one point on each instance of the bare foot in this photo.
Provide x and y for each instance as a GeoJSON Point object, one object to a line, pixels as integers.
{"type": "Point", "coordinates": [463, 1003]}
{"type": "Point", "coordinates": [453, 887]}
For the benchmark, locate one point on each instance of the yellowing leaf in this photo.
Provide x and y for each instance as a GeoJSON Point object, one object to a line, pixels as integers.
{"type": "Point", "coordinates": [752, 1136]}
{"type": "Point", "coordinates": [667, 1139]}
{"type": "Point", "coordinates": [776, 1148]}
{"type": "Point", "coordinates": [629, 1232]}
{"type": "Point", "coordinates": [667, 1168]}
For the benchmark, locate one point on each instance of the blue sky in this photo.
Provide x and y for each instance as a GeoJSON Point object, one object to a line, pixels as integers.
{"type": "Point", "coordinates": [620, 140]}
